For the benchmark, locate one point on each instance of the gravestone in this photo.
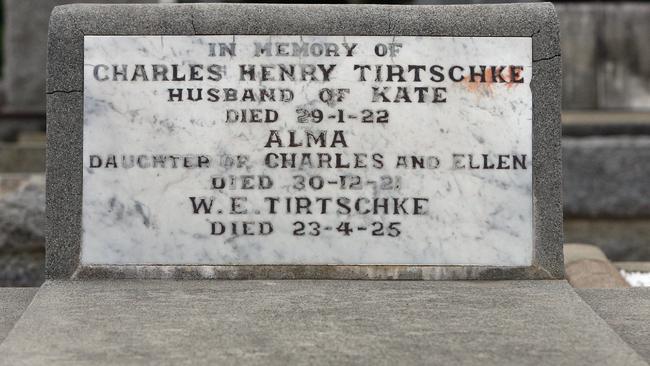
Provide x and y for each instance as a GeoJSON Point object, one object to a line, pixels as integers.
{"type": "Point", "coordinates": [222, 141]}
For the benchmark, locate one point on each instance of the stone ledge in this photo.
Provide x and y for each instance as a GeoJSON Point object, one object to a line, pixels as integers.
{"type": "Point", "coordinates": [606, 177]}
{"type": "Point", "coordinates": [13, 302]}
{"type": "Point", "coordinates": [312, 322]}
{"type": "Point", "coordinates": [586, 266]}
{"type": "Point", "coordinates": [620, 239]}
{"type": "Point", "coordinates": [605, 123]}
{"type": "Point", "coordinates": [627, 311]}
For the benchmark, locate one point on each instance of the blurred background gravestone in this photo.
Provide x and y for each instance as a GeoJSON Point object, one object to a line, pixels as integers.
{"type": "Point", "coordinates": [606, 122]}
{"type": "Point", "coordinates": [606, 75]}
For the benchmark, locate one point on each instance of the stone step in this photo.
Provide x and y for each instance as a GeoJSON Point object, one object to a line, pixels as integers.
{"type": "Point", "coordinates": [605, 122]}
{"type": "Point", "coordinates": [586, 266]}
{"type": "Point", "coordinates": [13, 302]}
{"type": "Point", "coordinates": [312, 322]}
{"type": "Point", "coordinates": [627, 311]}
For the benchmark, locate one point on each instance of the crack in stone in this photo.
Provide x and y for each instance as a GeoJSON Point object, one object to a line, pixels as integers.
{"type": "Point", "coordinates": [192, 22]}
{"type": "Point", "coordinates": [547, 58]}
{"type": "Point", "coordinates": [63, 91]}
{"type": "Point", "coordinates": [536, 33]}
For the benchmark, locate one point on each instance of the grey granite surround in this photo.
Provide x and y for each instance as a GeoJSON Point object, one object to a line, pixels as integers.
{"type": "Point", "coordinates": [69, 25]}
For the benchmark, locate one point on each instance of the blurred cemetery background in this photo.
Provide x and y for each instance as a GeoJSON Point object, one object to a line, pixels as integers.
{"type": "Point", "coordinates": [606, 130]}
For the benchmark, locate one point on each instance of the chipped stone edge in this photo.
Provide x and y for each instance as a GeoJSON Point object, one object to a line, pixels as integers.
{"type": "Point", "coordinates": [69, 24]}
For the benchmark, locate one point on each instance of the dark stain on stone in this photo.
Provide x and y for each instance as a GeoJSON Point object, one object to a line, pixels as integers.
{"type": "Point", "coordinates": [145, 218]}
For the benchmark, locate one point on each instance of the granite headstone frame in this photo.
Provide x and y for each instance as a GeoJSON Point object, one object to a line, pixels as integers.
{"type": "Point", "coordinates": [223, 141]}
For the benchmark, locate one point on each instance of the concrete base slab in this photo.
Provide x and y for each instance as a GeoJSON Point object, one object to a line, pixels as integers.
{"type": "Point", "coordinates": [13, 302]}
{"type": "Point", "coordinates": [160, 322]}
{"type": "Point", "coordinates": [627, 311]}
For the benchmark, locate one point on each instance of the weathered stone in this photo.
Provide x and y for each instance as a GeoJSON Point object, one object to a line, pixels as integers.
{"type": "Point", "coordinates": [578, 25]}
{"type": "Point", "coordinates": [10, 127]}
{"type": "Point", "coordinates": [623, 80]}
{"type": "Point", "coordinates": [605, 123]}
{"type": "Point", "coordinates": [25, 37]}
{"type": "Point", "coordinates": [13, 302]}
{"type": "Point", "coordinates": [606, 176]}
{"type": "Point", "coordinates": [32, 137]}
{"type": "Point", "coordinates": [312, 322]}
{"type": "Point", "coordinates": [65, 111]}
{"type": "Point", "coordinates": [25, 47]}
{"type": "Point", "coordinates": [22, 158]}
{"type": "Point", "coordinates": [592, 37]}
{"type": "Point", "coordinates": [605, 55]}
{"type": "Point", "coordinates": [22, 213]}
{"type": "Point", "coordinates": [586, 266]}
{"type": "Point", "coordinates": [579, 252]}
{"type": "Point", "coordinates": [627, 311]}
{"type": "Point", "coordinates": [21, 269]}
{"type": "Point", "coordinates": [620, 239]}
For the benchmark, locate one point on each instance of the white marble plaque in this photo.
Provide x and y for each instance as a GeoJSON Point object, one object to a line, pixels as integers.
{"type": "Point", "coordinates": [231, 150]}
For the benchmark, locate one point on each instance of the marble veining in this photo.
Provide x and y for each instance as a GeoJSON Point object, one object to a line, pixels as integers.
{"type": "Point", "coordinates": [425, 181]}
